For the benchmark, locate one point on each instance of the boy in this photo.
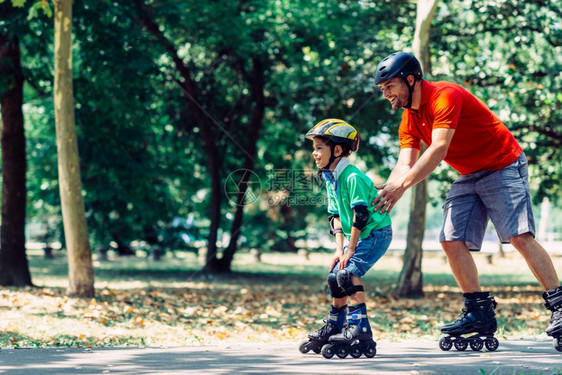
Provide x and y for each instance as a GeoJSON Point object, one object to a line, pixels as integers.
{"type": "Point", "coordinates": [369, 234]}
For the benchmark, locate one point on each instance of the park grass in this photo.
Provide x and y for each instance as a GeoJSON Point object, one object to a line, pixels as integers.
{"type": "Point", "coordinates": [142, 302]}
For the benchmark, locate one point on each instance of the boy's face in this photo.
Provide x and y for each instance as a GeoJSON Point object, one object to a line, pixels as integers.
{"type": "Point", "coordinates": [320, 152]}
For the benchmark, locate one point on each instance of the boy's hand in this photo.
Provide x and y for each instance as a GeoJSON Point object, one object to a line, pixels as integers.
{"type": "Point", "coordinates": [335, 258]}
{"type": "Point", "coordinates": [344, 259]}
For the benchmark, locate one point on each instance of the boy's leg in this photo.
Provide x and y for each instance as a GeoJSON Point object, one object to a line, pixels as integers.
{"type": "Point", "coordinates": [355, 338]}
{"type": "Point", "coordinates": [334, 321]}
{"type": "Point", "coordinates": [339, 302]}
{"type": "Point", "coordinates": [318, 338]}
{"type": "Point", "coordinates": [357, 297]}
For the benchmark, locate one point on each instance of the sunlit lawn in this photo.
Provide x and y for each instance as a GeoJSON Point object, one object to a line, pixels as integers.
{"type": "Point", "coordinates": [171, 302]}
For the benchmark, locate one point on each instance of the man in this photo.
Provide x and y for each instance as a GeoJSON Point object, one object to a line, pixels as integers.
{"type": "Point", "coordinates": [461, 130]}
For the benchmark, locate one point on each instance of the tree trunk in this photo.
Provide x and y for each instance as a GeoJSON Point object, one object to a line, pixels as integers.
{"type": "Point", "coordinates": [223, 265]}
{"type": "Point", "coordinates": [14, 269]}
{"type": "Point", "coordinates": [410, 279]}
{"type": "Point", "coordinates": [213, 155]}
{"type": "Point", "coordinates": [81, 274]}
{"type": "Point", "coordinates": [420, 45]}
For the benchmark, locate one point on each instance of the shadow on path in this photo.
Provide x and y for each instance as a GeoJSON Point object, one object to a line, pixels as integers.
{"type": "Point", "coordinates": [406, 357]}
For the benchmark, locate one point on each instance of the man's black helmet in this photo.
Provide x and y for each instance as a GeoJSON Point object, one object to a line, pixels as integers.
{"type": "Point", "coordinates": [398, 64]}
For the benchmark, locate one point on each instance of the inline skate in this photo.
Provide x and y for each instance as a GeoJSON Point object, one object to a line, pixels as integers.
{"type": "Point", "coordinates": [553, 299]}
{"type": "Point", "coordinates": [317, 339]}
{"type": "Point", "coordinates": [477, 318]}
{"type": "Point", "coordinates": [355, 338]}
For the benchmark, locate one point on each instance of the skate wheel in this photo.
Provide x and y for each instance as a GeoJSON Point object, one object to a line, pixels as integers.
{"type": "Point", "coordinates": [342, 352]}
{"type": "Point", "coordinates": [303, 347]}
{"type": "Point", "coordinates": [356, 351]}
{"type": "Point", "coordinates": [491, 343]}
{"type": "Point", "coordinates": [445, 343]}
{"type": "Point", "coordinates": [557, 341]}
{"type": "Point", "coordinates": [371, 350]}
{"type": "Point", "coordinates": [476, 344]}
{"type": "Point", "coordinates": [461, 345]}
{"type": "Point", "coordinates": [328, 351]}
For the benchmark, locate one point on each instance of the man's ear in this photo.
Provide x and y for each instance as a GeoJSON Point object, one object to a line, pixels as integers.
{"type": "Point", "coordinates": [411, 79]}
{"type": "Point", "coordinates": [338, 150]}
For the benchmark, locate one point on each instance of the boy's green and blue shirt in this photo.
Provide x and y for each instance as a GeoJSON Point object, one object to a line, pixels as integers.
{"type": "Point", "coordinates": [348, 187]}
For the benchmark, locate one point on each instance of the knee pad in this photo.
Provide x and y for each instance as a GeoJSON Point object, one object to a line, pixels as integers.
{"type": "Point", "coordinates": [344, 281]}
{"type": "Point", "coordinates": [335, 289]}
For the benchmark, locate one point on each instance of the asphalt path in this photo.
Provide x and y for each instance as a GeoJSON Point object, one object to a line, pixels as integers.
{"type": "Point", "coordinates": [530, 356]}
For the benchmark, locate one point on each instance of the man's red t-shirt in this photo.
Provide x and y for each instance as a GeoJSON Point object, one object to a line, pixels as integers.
{"type": "Point", "coordinates": [481, 141]}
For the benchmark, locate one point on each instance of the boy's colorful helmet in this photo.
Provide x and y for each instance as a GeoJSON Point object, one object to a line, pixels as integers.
{"type": "Point", "coordinates": [338, 131]}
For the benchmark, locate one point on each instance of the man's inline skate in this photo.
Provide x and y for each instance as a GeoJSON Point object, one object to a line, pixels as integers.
{"type": "Point", "coordinates": [477, 318]}
{"type": "Point", "coordinates": [355, 338]}
{"type": "Point", "coordinates": [333, 326]}
{"type": "Point", "coordinates": [553, 300]}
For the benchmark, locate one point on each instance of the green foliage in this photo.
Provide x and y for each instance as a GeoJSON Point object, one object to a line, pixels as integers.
{"type": "Point", "coordinates": [142, 155]}
{"type": "Point", "coordinates": [510, 56]}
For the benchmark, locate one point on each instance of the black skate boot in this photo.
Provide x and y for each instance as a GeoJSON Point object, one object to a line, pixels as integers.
{"type": "Point", "coordinates": [477, 317]}
{"type": "Point", "coordinates": [317, 339]}
{"type": "Point", "coordinates": [553, 300]}
{"type": "Point", "coordinates": [355, 338]}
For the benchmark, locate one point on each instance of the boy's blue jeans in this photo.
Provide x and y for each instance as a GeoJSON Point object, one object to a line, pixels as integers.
{"type": "Point", "coordinates": [368, 252]}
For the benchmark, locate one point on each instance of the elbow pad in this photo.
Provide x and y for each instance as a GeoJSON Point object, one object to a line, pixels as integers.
{"type": "Point", "coordinates": [361, 217]}
{"type": "Point", "coordinates": [334, 231]}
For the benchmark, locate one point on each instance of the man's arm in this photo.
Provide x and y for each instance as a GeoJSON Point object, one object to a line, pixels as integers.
{"type": "Point", "coordinates": [406, 160]}
{"type": "Point", "coordinates": [409, 172]}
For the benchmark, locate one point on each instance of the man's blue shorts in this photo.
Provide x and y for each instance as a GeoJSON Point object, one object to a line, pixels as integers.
{"type": "Point", "coordinates": [368, 251]}
{"type": "Point", "coordinates": [502, 196]}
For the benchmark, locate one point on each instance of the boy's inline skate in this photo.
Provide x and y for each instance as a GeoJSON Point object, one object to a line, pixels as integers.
{"type": "Point", "coordinates": [553, 300]}
{"type": "Point", "coordinates": [355, 338]}
{"type": "Point", "coordinates": [477, 318]}
{"type": "Point", "coordinates": [317, 339]}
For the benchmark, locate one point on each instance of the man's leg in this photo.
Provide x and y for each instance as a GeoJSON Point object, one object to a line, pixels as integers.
{"type": "Point", "coordinates": [538, 260]}
{"type": "Point", "coordinates": [462, 265]}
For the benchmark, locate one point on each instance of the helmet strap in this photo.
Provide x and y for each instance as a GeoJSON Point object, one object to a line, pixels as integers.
{"type": "Point", "coordinates": [410, 90]}
{"type": "Point", "coordinates": [326, 168]}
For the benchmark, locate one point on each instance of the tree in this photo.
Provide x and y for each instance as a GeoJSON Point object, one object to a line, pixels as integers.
{"type": "Point", "coordinates": [14, 269]}
{"type": "Point", "coordinates": [152, 148]}
{"type": "Point", "coordinates": [81, 274]}
{"type": "Point", "coordinates": [510, 56]}
{"type": "Point", "coordinates": [410, 279]}
{"type": "Point", "coordinates": [193, 101]}
{"type": "Point", "coordinates": [256, 81]}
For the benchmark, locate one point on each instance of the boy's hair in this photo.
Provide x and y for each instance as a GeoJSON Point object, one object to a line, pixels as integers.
{"type": "Point", "coordinates": [346, 149]}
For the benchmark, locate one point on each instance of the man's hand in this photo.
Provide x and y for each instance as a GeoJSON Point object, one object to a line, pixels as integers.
{"type": "Point", "coordinates": [389, 194]}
